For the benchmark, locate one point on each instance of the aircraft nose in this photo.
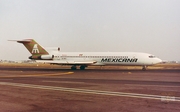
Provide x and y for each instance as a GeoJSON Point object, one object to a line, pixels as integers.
{"type": "Point", "coordinates": [159, 60]}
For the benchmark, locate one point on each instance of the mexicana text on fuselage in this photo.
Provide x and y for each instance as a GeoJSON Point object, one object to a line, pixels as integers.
{"type": "Point", "coordinates": [119, 60]}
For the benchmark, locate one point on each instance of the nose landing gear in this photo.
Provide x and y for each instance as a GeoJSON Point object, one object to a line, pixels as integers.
{"type": "Point", "coordinates": [144, 67]}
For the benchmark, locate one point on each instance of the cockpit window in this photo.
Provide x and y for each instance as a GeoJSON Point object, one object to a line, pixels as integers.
{"type": "Point", "coordinates": [152, 56]}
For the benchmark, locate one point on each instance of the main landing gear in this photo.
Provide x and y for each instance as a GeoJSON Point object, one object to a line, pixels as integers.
{"type": "Point", "coordinates": [82, 67]}
{"type": "Point", "coordinates": [144, 67]}
{"type": "Point", "coordinates": [73, 67]}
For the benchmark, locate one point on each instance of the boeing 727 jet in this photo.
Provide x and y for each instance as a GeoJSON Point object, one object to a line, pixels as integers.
{"type": "Point", "coordinates": [85, 59]}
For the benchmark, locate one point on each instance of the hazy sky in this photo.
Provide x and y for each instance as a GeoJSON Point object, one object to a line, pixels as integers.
{"type": "Point", "coordinates": [151, 26]}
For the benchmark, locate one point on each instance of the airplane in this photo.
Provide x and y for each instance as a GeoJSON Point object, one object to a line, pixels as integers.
{"type": "Point", "coordinates": [85, 59]}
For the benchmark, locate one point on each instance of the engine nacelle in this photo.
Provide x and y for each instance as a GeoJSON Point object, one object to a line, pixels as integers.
{"type": "Point", "coordinates": [33, 57]}
{"type": "Point", "coordinates": [53, 48]}
{"type": "Point", "coordinates": [47, 57]}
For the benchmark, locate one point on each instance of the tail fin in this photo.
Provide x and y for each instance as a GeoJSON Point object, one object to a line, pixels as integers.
{"type": "Point", "coordinates": [33, 47]}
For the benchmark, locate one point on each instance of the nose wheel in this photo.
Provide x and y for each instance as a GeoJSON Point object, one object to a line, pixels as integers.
{"type": "Point", "coordinates": [144, 68]}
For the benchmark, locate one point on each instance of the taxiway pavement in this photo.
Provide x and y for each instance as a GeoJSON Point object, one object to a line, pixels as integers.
{"type": "Point", "coordinates": [102, 90]}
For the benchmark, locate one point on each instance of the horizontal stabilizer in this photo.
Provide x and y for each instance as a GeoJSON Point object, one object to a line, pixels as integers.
{"type": "Point", "coordinates": [22, 41]}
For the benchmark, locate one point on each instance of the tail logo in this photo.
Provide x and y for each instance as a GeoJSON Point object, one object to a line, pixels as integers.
{"type": "Point", "coordinates": [35, 49]}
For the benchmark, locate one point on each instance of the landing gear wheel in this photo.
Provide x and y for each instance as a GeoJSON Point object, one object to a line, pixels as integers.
{"type": "Point", "coordinates": [73, 67]}
{"type": "Point", "coordinates": [82, 67]}
{"type": "Point", "coordinates": [144, 68]}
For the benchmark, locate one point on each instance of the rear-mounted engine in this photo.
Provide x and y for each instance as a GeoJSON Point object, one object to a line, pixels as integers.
{"type": "Point", "coordinates": [47, 57]}
{"type": "Point", "coordinates": [42, 57]}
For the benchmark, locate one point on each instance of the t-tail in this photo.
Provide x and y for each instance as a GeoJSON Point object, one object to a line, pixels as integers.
{"type": "Point", "coordinates": [37, 51]}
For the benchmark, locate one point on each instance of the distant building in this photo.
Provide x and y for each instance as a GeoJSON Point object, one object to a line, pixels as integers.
{"type": "Point", "coordinates": [172, 61]}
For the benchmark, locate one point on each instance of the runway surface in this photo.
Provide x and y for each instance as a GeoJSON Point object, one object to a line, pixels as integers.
{"type": "Point", "coordinates": [99, 90]}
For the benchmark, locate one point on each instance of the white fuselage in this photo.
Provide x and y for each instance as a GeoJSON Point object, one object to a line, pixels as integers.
{"type": "Point", "coordinates": [104, 58]}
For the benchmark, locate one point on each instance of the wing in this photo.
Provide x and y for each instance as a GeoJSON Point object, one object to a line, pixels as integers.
{"type": "Point", "coordinates": [67, 62]}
